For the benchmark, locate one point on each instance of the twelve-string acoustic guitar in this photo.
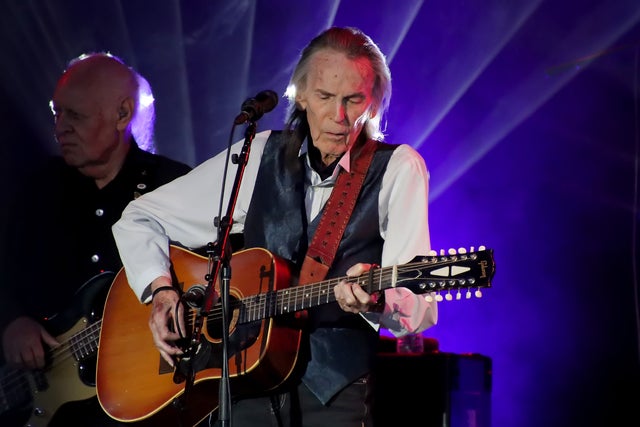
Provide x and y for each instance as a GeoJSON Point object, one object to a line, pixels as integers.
{"type": "Point", "coordinates": [134, 384]}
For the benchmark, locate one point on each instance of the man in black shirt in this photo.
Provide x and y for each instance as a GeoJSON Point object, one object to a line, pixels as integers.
{"type": "Point", "coordinates": [60, 253]}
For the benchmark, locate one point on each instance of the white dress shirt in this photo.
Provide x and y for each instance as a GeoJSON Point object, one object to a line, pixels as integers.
{"type": "Point", "coordinates": [183, 212]}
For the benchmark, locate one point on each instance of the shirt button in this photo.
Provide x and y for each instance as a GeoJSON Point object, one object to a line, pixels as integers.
{"type": "Point", "coordinates": [99, 212]}
{"type": "Point", "coordinates": [95, 258]}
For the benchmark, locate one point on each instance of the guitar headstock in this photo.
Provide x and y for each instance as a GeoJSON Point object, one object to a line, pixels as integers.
{"type": "Point", "coordinates": [440, 274]}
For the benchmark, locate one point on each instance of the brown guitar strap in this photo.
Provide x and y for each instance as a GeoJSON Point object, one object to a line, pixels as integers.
{"type": "Point", "coordinates": [335, 217]}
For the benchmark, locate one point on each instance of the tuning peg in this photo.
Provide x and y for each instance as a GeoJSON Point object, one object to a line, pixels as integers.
{"type": "Point", "coordinates": [438, 297]}
{"type": "Point", "coordinates": [458, 295]}
{"type": "Point", "coordinates": [428, 298]}
{"type": "Point", "coordinates": [452, 251]}
{"type": "Point", "coordinates": [478, 293]}
{"type": "Point", "coordinates": [462, 250]}
{"type": "Point", "coordinates": [468, 295]}
{"type": "Point", "coordinates": [448, 296]}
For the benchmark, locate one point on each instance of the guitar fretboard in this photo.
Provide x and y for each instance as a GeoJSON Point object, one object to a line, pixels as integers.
{"type": "Point", "coordinates": [285, 301]}
{"type": "Point", "coordinates": [431, 274]}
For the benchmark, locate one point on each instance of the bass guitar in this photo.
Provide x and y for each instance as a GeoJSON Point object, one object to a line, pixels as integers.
{"type": "Point", "coordinates": [134, 384]}
{"type": "Point", "coordinates": [31, 397]}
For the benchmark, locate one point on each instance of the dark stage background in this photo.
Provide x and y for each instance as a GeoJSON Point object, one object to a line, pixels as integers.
{"type": "Point", "coordinates": [525, 111]}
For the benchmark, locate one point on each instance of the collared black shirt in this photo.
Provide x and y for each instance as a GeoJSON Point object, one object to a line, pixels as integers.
{"type": "Point", "coordinates": [58, 236]}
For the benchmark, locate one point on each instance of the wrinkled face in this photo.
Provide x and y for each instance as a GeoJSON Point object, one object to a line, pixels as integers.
{"type": "Point", "coordinates": [84, 127]}
{"type": "Point", "coordinates": [337, 99]}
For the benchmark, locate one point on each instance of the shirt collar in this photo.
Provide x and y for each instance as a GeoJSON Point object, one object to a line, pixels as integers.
{"type": "Point", "coordinates": [344, 163]}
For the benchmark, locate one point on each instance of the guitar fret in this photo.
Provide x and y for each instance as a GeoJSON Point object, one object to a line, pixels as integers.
{"type": "Point", "coordinates": [244, 313]}
{"type": "Point", "coordinates": [74, 348]}
{"type": "Point", "coordinates": [283, 304]}
{"type": "Point", "coordinates": [77, 349]}
{"type": "Point", "coordinates": [252, 309]}
{"type": "Point", "coordinates": [258, 308]}
{"type": "Point", "coordinates": [271, 302]}
{"type": "Point", "coordinates": [304, 296]}
{"type": "Point", "coordinates": [93, 338]}
{"type": "Point", "coordinates": [323, 293]}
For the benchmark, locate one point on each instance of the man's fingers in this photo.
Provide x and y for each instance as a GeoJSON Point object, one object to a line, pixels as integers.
{"type": "Point", "coordinates": [49, 339]}
{"type": "Point", "coordinates": [358, 269]}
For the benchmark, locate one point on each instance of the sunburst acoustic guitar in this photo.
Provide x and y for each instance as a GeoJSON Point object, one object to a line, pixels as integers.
{"type": "Point", "coordinates": [134, 384]}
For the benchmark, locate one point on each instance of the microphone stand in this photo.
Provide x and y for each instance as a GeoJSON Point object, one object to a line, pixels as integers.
{"type": "Point", "coordinates": [220, 256]}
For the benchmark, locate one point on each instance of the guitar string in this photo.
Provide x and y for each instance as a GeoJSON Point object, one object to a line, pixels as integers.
{"type": "Point", "coordinates": [73, 347]}
{"type": "Point", "coordinates": [66, 350]}
{"type": "Point", "coordinates": [252, 308]}
{"type": "Point", "coordinates": [256, 307]}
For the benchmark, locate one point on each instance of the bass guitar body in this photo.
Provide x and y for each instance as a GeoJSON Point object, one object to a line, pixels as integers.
{"type": "Point", "coordinates": [31, 398]}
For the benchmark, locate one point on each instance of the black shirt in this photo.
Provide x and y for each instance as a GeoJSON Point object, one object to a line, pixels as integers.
{"type": "Point", "coordinates": [58, 236]}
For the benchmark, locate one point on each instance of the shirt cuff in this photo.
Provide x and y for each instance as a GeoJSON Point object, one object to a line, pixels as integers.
{"type": "Point", "coordinates": [407, 313]}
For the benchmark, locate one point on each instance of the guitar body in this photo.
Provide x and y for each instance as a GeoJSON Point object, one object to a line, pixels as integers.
{"type": "Point", "coordinates": [135, 384]}
{"type": "Point", "coordinates": [32, 397]}
{"type": "Point", "coordinates": [69, 381]}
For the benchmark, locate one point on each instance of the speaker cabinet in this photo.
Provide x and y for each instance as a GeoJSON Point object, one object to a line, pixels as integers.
{"type": "Point", "coordinates": [432, 389]}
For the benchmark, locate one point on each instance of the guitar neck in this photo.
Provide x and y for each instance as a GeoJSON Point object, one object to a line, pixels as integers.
{"type": "Point", "coordinates": [289, 300]}
{"type": "Point", "coordinates": [427, 274]}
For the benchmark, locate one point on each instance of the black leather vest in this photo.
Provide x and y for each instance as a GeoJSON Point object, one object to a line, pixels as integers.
{"type": "Point", "coordinates": [341, 345]}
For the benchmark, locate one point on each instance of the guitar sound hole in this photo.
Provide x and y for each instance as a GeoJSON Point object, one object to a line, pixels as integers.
{"type": "Point", "coordinates": [214, 319]}
{"type": "Point", "coordinates": [242, 335]}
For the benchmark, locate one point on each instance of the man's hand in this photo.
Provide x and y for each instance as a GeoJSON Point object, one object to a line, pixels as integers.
{"type": "Point", "coordinates": [350, 296]}
{"type": "Point", "coordinates": [22, 342]}
{"type": "Point", "coordinates": [166, 321]}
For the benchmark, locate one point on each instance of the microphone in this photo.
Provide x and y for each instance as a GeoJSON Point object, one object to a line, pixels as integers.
{"type": "Point", "coordinates": [254, 108]}
{"type": "Point", "coordinates": [194, 297]}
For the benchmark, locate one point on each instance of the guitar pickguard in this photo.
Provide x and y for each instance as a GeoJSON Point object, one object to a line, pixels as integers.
{"type": "Point", "coordinates": [208, 354]}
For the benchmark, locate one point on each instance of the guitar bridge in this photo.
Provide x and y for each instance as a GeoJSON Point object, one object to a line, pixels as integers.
{"type": "Point", "coordinates": [192, 362]}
